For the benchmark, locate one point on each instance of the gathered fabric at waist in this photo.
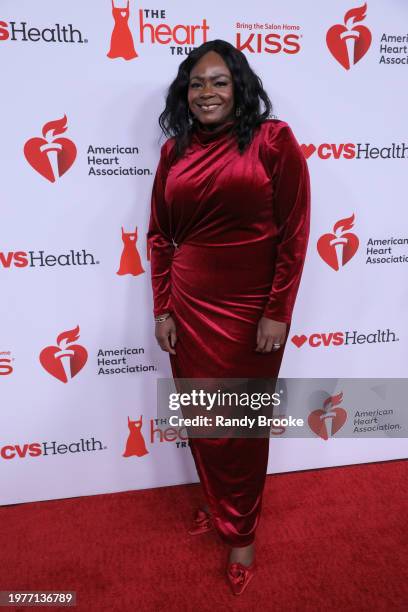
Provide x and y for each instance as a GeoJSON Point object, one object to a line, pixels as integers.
{"type": "Point", "coordinates": [230, 271]}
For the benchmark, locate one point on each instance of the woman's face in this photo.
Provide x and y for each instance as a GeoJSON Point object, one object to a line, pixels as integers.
{"type": "Point", "coordinates": [211, 90]}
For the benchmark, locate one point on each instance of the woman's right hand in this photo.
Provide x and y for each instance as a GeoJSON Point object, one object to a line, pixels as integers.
{"type": "Point", "coordinates": [166, 335]}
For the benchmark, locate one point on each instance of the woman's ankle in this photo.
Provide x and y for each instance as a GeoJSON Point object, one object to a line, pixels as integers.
{"type": "Point", "coordinates": [244, 554]}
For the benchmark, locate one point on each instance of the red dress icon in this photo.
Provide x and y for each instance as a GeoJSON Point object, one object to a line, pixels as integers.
{"type": "Point", "coordinates": [121, 39]}
{"type": "Point", "coordinates": [135, 445]}
{"type": "Point", "coordinates": [130, 262]}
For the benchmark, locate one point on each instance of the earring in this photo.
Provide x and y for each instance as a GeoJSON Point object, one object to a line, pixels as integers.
{"type": "Point", "coordinates": [238, 112]}
{"type": "Point", "coordinates": [190, 116]}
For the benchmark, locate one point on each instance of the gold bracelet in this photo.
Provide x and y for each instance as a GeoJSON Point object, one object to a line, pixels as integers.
{"type": "Point", "coordinates": [161, 318]}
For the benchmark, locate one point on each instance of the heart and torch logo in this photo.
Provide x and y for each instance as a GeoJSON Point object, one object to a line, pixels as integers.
{"type": "Point", "coordinates": [325, 422]}
{"type": "Point", "coordinates": [66, 359]}
{"type": "Point", "coordinates": [50, 156]}
{"type": "Point", "coordinates": [348, 43]}
{"type": "Point", "coordinates": [338, 247]}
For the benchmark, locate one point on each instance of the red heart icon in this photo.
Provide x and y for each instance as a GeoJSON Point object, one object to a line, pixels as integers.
{"type": "Point", "coordinates": [307, 150]}
{"type": "Point", "coordinates": [53, 365]}
{"type": "Point", "coordinates": [317, 421]}
{"type": "Point", "coordinates": [299, 340]}
{"type": "Point", "coordinates": [360, 41]}
{"type": "Point", "coordinates": [39, 160]}
{"type": "Point", "coordinates": [328, 251]}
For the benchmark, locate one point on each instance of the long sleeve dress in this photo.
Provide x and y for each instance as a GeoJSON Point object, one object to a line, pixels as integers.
{"type": "Point", "coordinates": [228, 235]}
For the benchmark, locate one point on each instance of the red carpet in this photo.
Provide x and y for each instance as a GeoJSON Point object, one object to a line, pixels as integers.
{"type": "Point", "coordinates": [329, 540]}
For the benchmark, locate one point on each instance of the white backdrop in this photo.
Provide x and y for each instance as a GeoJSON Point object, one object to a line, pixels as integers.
{"type": "Point", "coordinates": [66, 194]}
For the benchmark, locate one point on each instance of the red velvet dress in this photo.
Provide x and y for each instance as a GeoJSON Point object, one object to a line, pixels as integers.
{"type": "Point", "coordinates": [228, 235]}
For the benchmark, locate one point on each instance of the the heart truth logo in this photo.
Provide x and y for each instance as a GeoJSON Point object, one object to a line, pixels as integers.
{"type": "Point", "coordinates": [349, 43]}
{"type": "Point", "coordinates": [157, 433]}
{"type": "Point", "coordinates": [326, 422]}
{"type": "Point", "coordinates": [121, 39]}
{"type": "Point", "coordinates": [49, 156]}
{"type": "Point", "coordinates": [130, 262]}
{"type": "Point", "coordinates": [65, 360]}
{"type": "Point", "coordinates": [135, 444]}
{"type": "Point", "coordinates": [338, 247]}
{"type": "Point", "coordinates": [157, 31]}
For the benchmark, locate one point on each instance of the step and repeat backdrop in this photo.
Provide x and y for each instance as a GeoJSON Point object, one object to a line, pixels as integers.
{"type": "Point", "coordinates": [83, 84]}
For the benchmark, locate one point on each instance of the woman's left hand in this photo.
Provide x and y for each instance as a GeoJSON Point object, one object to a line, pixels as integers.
{"type": "Point", "coordinates": [270, 332]}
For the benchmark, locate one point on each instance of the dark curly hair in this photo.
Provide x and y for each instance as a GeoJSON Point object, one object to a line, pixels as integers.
{"type": "Point", "coordinates": [248, 94]}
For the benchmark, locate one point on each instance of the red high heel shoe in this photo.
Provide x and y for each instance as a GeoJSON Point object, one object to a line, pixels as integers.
{"type": "Point", "coordinates": [239, 576]}
{"type": "Point", "coordinates": [202, 523]}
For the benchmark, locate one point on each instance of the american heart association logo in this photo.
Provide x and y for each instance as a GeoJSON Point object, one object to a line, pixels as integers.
{"type": "Point", "coordinates": [326, 422]}
{"type": "Point", "coordinates": [49, 156]}
{"type": "Point", "coordinates": [65, 360]}
{"type": "Point", "coordinates": [347, 44]}
{"type": "Point", "coordinates": [338, 247]}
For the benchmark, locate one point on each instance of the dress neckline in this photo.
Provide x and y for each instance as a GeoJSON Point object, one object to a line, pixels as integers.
{"type": "Point", "coordinates": [204, 136]}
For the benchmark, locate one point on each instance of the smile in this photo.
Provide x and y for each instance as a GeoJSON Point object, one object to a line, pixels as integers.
{"type": "Point", "coordinates": [208, 107]}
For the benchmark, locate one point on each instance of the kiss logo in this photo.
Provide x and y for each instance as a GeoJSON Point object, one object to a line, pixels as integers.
{"type": "Point", "coordinates": [135, 445]}
{"type": "Point", "coordinates": [325, 422]}
{"type": "Point", "coordinates": [51, 157]}
{"type": "Point", "coordinates": [65, 360]}
{"type": "Point", "coordinates": [269, 43]}
{"type": "Point", "coordinates": [338, 247]}
{"type": "Point", "coordinates": [130, 262]}
{"type": "Point", "coordinates": [348, 45]}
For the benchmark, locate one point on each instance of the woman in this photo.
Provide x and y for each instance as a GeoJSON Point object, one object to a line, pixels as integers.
{"type": "Point", "coordinates": [228, 234]}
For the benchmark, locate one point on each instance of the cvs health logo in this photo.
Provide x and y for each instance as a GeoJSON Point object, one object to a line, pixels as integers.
{"type": "Point", "coordinates": [10, 451]}
{"type": "Point", "coordinates": [344, 338]}
{"type": "Point", "coordinates": [325, 422]}
{"type": "Point", "coordinates": [49, 156]}
{"type": "Point", "coordinates": [24, 259]}
{"type": "Point", "coordinates": [330, 151]}
{"type": "Point", "coordinates": [14, 31]}
{"type": "Point", "coordinates": [349, 43]}
{"type": "Point", "coordinates": [47, 449]}
{"type": "Point", "coordinates": [338, 247]}
{"type": "Point", "coordinates": [6, 367]}
{"type": "Point", "coordinates": [65, 360]}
